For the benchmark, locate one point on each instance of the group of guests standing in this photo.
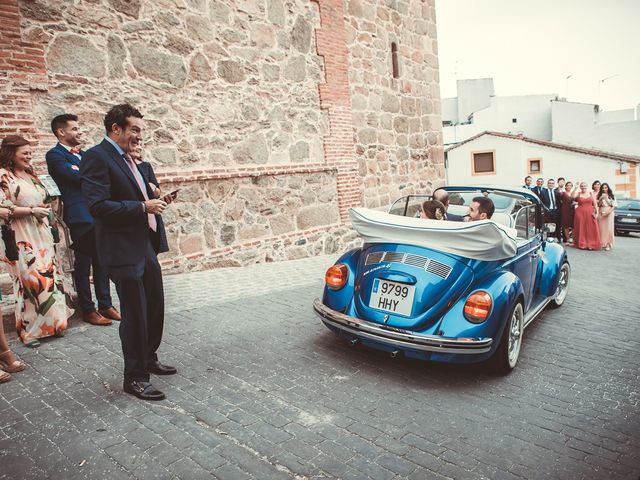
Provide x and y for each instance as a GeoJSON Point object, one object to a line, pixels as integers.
{"type": "Point", "coordinates": [583, 218]}
{"type": "Point", "coordinates": [112, 207]}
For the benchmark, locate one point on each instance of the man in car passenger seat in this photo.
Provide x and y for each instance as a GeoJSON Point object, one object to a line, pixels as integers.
{"type": "Point", "coordinates": [481, 208]}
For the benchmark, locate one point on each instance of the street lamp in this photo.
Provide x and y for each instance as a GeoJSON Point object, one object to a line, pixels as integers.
{"type": "Point", "coordinates": [600, 82]}
{"type": "Point", "coordinates": [566, 79]}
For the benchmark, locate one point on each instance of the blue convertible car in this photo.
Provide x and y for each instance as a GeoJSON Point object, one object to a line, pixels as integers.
{"type": "Point", "coordinates": [458, 292]}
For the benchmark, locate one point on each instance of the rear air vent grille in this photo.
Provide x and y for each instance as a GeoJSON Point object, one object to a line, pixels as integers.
{"type": "Point", "coordinates": [438, 268]}
{"type": "Point", "coordinates": [374, 258]}
{"type": "Point", "coordinates": [415, 260]}
{"type": "Point", "coordinates": [418, 261]}
{"type": "Point", "coordinates": [394, 257]}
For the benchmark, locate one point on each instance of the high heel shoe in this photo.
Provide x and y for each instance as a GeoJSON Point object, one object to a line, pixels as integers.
{"type": "Point", "coordinates": [4, 376]}
{"type": "Point", "coordinates": [13, 367]}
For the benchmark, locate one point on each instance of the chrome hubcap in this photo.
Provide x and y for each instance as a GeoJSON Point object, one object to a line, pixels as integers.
{"type": "Point", "coordinates": [515, 335]}
{"type": "Point", "coordinates": [563, 284]}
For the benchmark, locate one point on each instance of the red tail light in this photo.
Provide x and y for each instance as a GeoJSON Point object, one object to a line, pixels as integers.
{"type": "Point", "coordinates": [336, 276]}
{"type": "Point", "coordinates": [478, 307]}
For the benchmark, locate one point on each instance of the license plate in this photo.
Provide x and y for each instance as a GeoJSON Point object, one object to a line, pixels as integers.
{"type": "Point", "coordinates": [392, 297]}
{"type": "Point", "coordinates": [628, 220]}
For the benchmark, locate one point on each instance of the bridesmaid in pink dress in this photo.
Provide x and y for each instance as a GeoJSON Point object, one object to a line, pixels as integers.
{"type": "Point", "coordinates": [586, 234]}
{"type": "Point", "coordinates": [606, 204]}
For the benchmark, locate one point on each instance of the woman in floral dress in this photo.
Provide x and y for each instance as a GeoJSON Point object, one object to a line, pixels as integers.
{"type": "Point", "coordinates": [41, 310]}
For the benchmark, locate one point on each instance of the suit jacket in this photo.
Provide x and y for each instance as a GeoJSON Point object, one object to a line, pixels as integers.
{"type": "Point", "coordinates": [116, 203]}
{"type": "Point", "coordinates": [537, 190]}
{"type": "Point", "coordinates": [150, 177]}
{"type": "Point", "coordinates": [452, 217]}
{"type": "Point", "coordinates": [546, 196]}
{"type": "Point", "coordinates": [64, 168]}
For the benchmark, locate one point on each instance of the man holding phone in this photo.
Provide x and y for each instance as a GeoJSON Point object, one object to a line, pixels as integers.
{"type": "Point", "coordinates": [146, 169]}
{"type": "Point", "coordinates": [127, 219]}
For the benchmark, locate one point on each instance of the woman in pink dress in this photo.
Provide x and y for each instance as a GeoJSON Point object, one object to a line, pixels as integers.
{"type": "Point", "coordinates": [41, 309]}
{"type": "Point", "coordinates": [586, 234]}
{"type": "Point", "coordinates": [566, 211]}
{"type": "Point", "coordinates": [606, 204]}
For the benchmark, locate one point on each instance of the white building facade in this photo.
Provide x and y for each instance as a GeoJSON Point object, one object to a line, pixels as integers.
{"type": "Point", "coordinates": [544, 117]}
{"type": "Point", "coordinates": [503, 159]}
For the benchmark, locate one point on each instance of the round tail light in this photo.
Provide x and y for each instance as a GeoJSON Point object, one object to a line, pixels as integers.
{"type": "Point", "coordinates": [478, 307]}
{"type": "Point", "coordinates": [336, 276]}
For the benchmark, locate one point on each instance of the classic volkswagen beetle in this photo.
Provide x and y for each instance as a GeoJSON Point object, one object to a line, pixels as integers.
{"type": "Point", "coordinates": [458, 292]}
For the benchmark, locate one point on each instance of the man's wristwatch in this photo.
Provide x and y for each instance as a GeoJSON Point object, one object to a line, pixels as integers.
{"type": "Point", "coordinates": [144, 207]}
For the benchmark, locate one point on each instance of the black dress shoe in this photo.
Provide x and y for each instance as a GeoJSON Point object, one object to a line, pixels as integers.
{"type": "Point", "coordinates": [160, 369]}
{"type": "Point", "coordinates": [142, 390]}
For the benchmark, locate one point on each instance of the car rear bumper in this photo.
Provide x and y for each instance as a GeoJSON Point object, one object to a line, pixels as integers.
{"type": "Point", "coordinates": [626, 227]}
{"type": "Point", "coordinates": [398, 337]}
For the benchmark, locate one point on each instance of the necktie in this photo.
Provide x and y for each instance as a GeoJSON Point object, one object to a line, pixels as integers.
{"type": "Point", "coordinates": [153, 224]}
{"type": "Point", "coordinates": [552, 203]}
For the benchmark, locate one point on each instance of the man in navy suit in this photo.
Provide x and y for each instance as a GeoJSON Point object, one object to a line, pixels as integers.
{"type": "Point", "coordinates": [551, 200]}
{"type": "Point", "coordinates": [537, 189]}
{"type": "Point", "coordinates": [126, 221]}
{"type": "Point", "coordinates": [63, 162]}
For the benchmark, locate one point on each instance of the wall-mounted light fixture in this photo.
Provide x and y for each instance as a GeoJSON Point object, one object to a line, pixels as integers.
{"type": "Point", "coordinates": [624, 167]}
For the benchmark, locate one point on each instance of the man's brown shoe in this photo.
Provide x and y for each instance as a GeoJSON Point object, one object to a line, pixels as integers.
{"type": "Point", "coordinates": [110, 313]}
{"type": "Point", "coordinates": [94, 318]}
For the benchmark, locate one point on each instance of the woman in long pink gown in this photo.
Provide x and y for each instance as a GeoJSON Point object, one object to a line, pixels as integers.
{"type": "Point", "coordinates": [586, 234]}
{"type": "Point", "coordinates": [606, 204]}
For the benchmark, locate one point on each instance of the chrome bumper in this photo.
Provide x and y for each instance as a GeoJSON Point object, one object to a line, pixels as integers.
{"type": "Point", "coordinates": [399, 337]}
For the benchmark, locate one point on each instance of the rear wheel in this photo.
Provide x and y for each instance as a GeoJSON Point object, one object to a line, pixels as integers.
{"type": "Point", "coordinates": [506, 357]}
{"type": "Point", "coordinates": [563, 286]}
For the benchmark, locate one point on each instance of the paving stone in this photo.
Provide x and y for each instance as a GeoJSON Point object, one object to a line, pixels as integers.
{"type": "Point", "coordinates": [276, 395]}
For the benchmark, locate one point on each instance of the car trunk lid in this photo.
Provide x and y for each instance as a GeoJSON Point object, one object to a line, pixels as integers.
{"type": "Point", "coordinates": [408, 287]}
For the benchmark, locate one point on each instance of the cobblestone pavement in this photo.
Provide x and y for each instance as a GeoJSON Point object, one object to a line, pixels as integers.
{"type": "Point", "coordinates": [266, 391]}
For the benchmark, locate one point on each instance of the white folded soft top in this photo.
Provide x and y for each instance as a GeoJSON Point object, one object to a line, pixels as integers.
{"type": "Point", "coordinates": [481, 240]}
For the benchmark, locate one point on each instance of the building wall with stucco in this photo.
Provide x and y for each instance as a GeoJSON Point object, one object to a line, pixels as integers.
{"type": "Point", "coordinates": [273, 117]}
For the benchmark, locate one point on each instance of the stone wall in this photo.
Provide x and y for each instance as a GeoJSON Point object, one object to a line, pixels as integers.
{"type": "Point", "coordinates": [220, 83]}
{"type": "Point", "coordinates": [397, 121]}
{"type": "Point", "coordinates": [273, 117]}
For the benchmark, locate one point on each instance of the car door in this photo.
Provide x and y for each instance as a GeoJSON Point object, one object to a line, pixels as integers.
{"type": "Point", "coordinates": [525, 263]}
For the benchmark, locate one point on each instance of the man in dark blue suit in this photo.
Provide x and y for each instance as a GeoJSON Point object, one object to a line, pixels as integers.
{"type": "Point", "coordinates": [539, 186]}
{"type": "Point", "coordinates": [63, 163]}
{"type": "Point", "coordinates": [126, 221]}
{"type": "Point", "coordinates": [551, 200]}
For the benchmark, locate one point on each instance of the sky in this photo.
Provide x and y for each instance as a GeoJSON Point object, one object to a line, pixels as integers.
{"type": "Point", "coordinates": [532, 46]}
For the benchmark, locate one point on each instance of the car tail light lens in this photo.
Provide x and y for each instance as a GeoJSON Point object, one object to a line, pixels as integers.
{"type": "Point", "coordinates": [478, 307]}
{"type": "Point", "coordinates": [336, 276]}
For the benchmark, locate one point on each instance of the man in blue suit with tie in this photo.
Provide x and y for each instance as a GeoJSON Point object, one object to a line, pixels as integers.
{"type": "Point", "coordinates": [127, 216]}
{"type": "Point", "coordinates": [63, 162]}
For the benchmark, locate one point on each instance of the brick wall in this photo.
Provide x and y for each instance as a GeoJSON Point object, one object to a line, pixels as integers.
{"type": "Point", "coordinates": [22, 70]}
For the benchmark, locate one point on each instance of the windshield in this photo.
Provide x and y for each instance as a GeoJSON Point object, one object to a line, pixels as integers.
{"type": "Point", "coordinates": [629, 204]}
{"type": "Point", "coordinates": [500, 201]}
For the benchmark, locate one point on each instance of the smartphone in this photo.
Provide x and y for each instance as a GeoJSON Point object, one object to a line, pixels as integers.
{"type": "Point", "coordinates": [170, 196]}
